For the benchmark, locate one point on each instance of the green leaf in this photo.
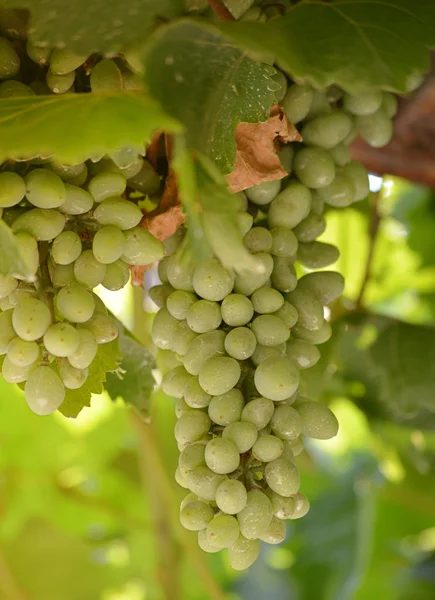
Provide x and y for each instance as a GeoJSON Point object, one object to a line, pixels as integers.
{"type": "Point", "coordinates": [133, 381]}
{"type": "Point", "coordinates": [11, 260]}
{"type": "Point", "coordinates": [100, 25]}
{"type": "Point", "coordinates": [209, 85]}
{"type": "Point", "coordinates": [354, 44]}
{"type": "Point", "coordinates": [107, 359]}
{"type": "Point", "coordinates": [74, 127]}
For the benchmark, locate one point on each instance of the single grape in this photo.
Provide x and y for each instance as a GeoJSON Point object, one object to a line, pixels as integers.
{"type": "Point", "coordinates": [302, 506]}
{"type": "Point", "coordinates": [327, 130]}
{"type": "Point", "coordinates": [281, 79]}
{"type": "Point", "coordinates": [108, 244]}
{"type": "Point", "coordinates": [219, 375]}
{"type": "Point", "coordinates": [77, 201]}
{"type": "Point", "coordinates": [247, 282]}
{"type": "Point", "coordinates": [183, 338]}
{"type": "Point", "coordinates": [194, 395]}
{"type": "Point", "coordinates": [39, 55]}
{"type": "Point", "coordinates": [276, 378]}
{"type": "Point", "coordinates": [314, 167]}
{"type": "Point", "coordinates": [179, 273]}
{"type": "Point", "coordinates": [132, 169]}
{"type": "Point", "coordinates": [319, 336]}
{"type": "Point", "coordinates": [226, 408]}
{"type": "Point", "coordinates": [203, 347]}
{"type": "Point", "coordinates": [389, 104]}
{"type": "Point", "coordinates": [297, 102]}
{"type": "Point", "coordinates": [31, 319]}
{"type": "Point", "coordinates": [103, 327]}
{"type": "Point", "coordinates": [191, 456]}
{"type": "Point", "coordinates": [22, 353]}
{"type": "Point", "coordinates": [282, 476]}
{"type": "Point", "coordinates": [188, 498]}
{"type": "Point", "coordinates": [61, 339]}
{"type": "Point", "coordinates": [121, 213]}
{"type": "Point", "coordinates": [107, 185]}
{"type": "Point", "coordinates": [304, 354]}
{"type": "Point", "coordinates": [270, 330]}
{"type": "Point", "coordinates": [191, 427]}
{"type": "Point", "coordinates": [364, 103]}
{"type": "Point", "coordinates": [317, 255]}
{"type": "Point", "coordinates": [75, 303]}
{"type": "Point", "coordinates": [88, 270]}
{"type": "Point", "coordinates": [231, 496]}
{"type": "Point", "coordinates": [204, 544]}
{"type": "Point", "coordinates": [318, 421]}
{"type": "Point", "coordinates": [86, 350]}
{"type": "Point", "coordinates": [310, 228]}
{"type": "Point", "coordinates": [258, 412]}
{"type": "Point", "coordinates": [43, 225]}
{"type": "Point", "coordinates": [61, 275]}
{"type": "Point", "coordinates": [212, 281]}
{"type": "Point", "coordinates": [66, 248]}
{"type": "Point", "coordinates": [29, 251]}
{"type": "Point", "coordinates": [264, 192]}
{"type": "Point", "coordinates": [266, 300]}
{"type": "Point", "coordinates": [164, 330]}
{"type": "Point", "coordinates": [158, 293]}
{"type": "Point", "coordinates": [286, 155]}
{"type": "Point", "coordinates": [147, 181]}
{"type": "Point", "coordinates": [275, 533]}
{"type": "Point", "coordinates": [243, 553]}
{"type": "Point", "coordinates": [288, 314]}
{"type": "Point", "coordinates": [64, 61]}
{"type": "Point", "coordinates": [319, 104]}
{"type": "Point", "coordinates": [12, 373]}
{"type": "Point", "coordinates": [284, 242]}
{"type": "Point", "coordinates": [358, 174]}
{"type": "Point", "coordinates": [117, 276]}
{"type": "Point", "coordinates": [180, 479]}
{"type": "Point", "coordinates": [72, 378]}
{"type": "Point", "coordinates": [44, 391]}
{"type": "Point", "coordinates": [68, 172]}
{"type": "Point", "coordinates": [60, 84]}
{"type": "Point", "coordinates": [12, 189]}
{"type": "Point", "coordinates": [179, 303]}
{"type": "Point", "coordinates": [310, 310]}
{"type": "Point", "coordinates": [376, 129]}
{"type": "Point", "coordinates": [243, 434]}
{"type": "Point", "coordinates": [262, 352]}
{"type": "Point", "coordinates": [284, 276]}
{"type": "Point", "coordinates": [203, 481]}
{"type": "Point", "coordinates": [327, 286]}
{"type": "Point", "coordinates": [175, 381]}
{"type": "Point", "coordinates": [245, 221]}
{"type": "Point", "coordinates": [258, 239]}
{"type": "Point", "coordinates": [255, 518]}
{"type": "Point", "coordinates": [286, 422]}
{"type": "Point", "coordinates": [340, 193]}
{"type": "Point", "coordinates": [340, 155]}
{"type": "Point", "coordinates": [267, 448]}
{"type": "Point", "coordinates": [196, 515]}
{"type": "Point", "coordinates": [8, 284]}
{"type": "Point", "coordinates": [204, 316]}
{"type": "Point", "coordinates": [222, 456]}
{"type": "Point", "coordinates": [223, 531]}
{"type": "Point", "coordinates": [237, 310]}
{"type": "Point", "coordinates": [106, 76]}
{"type": "Point", "coordinates": [44, 189]}
{"type": "Point", "coordinates": [240, 343]}
{"type": "Point", "coordinates": [283, 506]}
{"type": "Point", "coordinates": [297, 446]}
{"type": "Point", "coordinates": [290, 207]}
{"type": "Point", "coordinates": [141, 247]}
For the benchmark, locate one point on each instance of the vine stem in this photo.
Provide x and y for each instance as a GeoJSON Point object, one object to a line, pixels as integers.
{"type": "Point", "coordinates": [375, 221]}
{"type": "Point", "coordinates": [163, 487]}
{"type": "Point", "coordinates": [219, 8]}
{"type": "Point", "coordinates": [8, 582]}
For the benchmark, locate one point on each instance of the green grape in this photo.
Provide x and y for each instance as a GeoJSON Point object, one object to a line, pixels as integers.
{"type": "Point", "coordinates": [222, 456]}
{"type": "Point", "coordinates": [317, 255]}
{"type": "Point", "coordinates": [219, 375]}
{"type": "Point", "coordinates": [44, 391]}
{"type": "Point", "coordinates": [201, 480]}
{"type": "Point", "coordinates": [285, 243]}
{"type": "Point", "coordinates": [22, 353]}
{"type": "Point", "coordinates": [60, 84]}
{"type": "Point", "coordinates": [223, 531]}
{"type": "Point", "coordinates": [364, 103]}
{"type": "Point", "coordinates": [204, 544]}
{"type": "Point", "coordinates": [108, 244]}
{"type": "Point", "coordinates": [288, 314]}
{"type": "Point", "coordinates": [203, 347]}
{"type": "Point", "coordinates": [107, 184]}
{"type": "Point", "coordinates": [262, 352]}
{"type": "Point", "coordinates": [267, 448]}
{"type": "Point", "coordinates": [286, 155]}
{"type": "Point", "coordinates": [304, 354]}
{"type": "Point", "coordinates": [184, 337]}
{"type": "Point", "coordinates": [191, 456]}
{"type": "Point", "coordinates": [317, 204]}
{"type": "Point", "coordinates": [196, 515]}
{"type": "Point", "coordinates": [191, 427]}
{"type": "Point", "coordinates": [318, 421]}
{"type": "Point", "coordinates": [243, 434]}
{"type": "Point", "coordinates": [194, 395]}
{"type": "Point", "coordinates": [247, 282]}
{"type": "Point", "coordinates": [327, 286]}
{"type": "Point", "coordinates": [281, 79]}
{"type": "Point", "coordinates": [319, 336]}
{"type": "Point", "coordinates": [376, 129]}
{"type": "Point", "coordinates": [180, 273]}
{"type": "Point", "coordinates": [204, 316]}
{"type": "Point", "coordinates": [286, 423]}
{"type": "Point", "coordinates": [180, 408]}
{"type": "Point", "coordinates": [282, 476]}
{"type": "Point", "coordinates": [258, 239]}
{"type": "Point", "coordinates": [141, 247]}
{"type": "Point", "coordinates": [77, 200]}
{"type": "Point", "coordinates": [29, 251]}
{"type": "Point", "coordinates": [86, 350]}
{"type": "Point", "coordinates": [69, 172]}
{"type": "Point", "coordinates": [162, 271]}
{"type": "Point", "coordinates": [296, 103]}
{"type": "Point", "coordinates": [226, 408]}
{"type": "Point", "coordinates": [117, 276]}
{"type": "Point", "coordinates": [61, 339]}
{"type": "Point", "coordinates": [258, 412]}
{"type": "Point", "coordinates": [340, 155]}
{"type": "Point", "coordinates": [61, 275]}
{"type": "Point", "coordinates": [188, 498]}
{"type": "Point", "coordinates": [121, 213]}
{"type": "Point", "coordinates": [276, 378]}
{"type": "Point", "coordinates": [237, 310]}
{"type": "Point", "coordinates": [106, 77]}
{"type": "Point", "coordinates": [125, 157]}
{"type": "Point", "coordinates": [31, 319]}
{"type": "Point", "coordinates": [8, 284]}
{"type": "Point", "coordinates": [12, 189]}
{"type": "Point", "coordinates": [43, 225]}
{"type": "Point", "coordinates": [212, 281]}
{"type": "Point", "coordinates": [75, 303]}
{"type": "Point", "coordinates": [275, 533]}
{"type": "Point", "coordinates": [44, 189]}
{"type": "Point", "coordinates": [64, 61]}
{"type": "Point", "coordinates": [283, 506]}
{"type": "Point", "coordinates": [327, 130]}
{"type": "Point", "coordinates": [389, 104]}
{"type": "Point", "coordinates": [179, 303]}
{"type": "Point", "coordinates": [310, 310]}
{"type": "Point", "coordinates": [66, 248]}
{"type": "Point", "coordinates": [231, 496]}
{"type": "Point", "coordinates": [243, 553]}
{"type": "Point", "coordinates": [270, 330]}
{"type": "Point", "coordinates": [15, 89]}
{"type": "Point", "coordinates": [88, 270]}
{"type": "Point", "coordinates": [175, 381]}
{"type": "Point", "coordinates": [319, 105]}
{"type": "Point", "coordinates": [245, 221]}
{"type": "Point", "coordinates": [290, 207]}
{"type": "Point", "coordinates": [255, 518]}
{"type": "Point", "coordinates": [12, 373]}
{"type": "Point", "coordinates": [147, 181]}
{"type": "Point", "coordinates": [103, 327]}
{"type": "Point", "coordinates": [266, 300]}
{"type": "Point", "coordinates": [314, 167]}
{"type": "Point", "coordinates": [240, 343]}
{"type": "Point", "coordinates": [133, 169]}
{"type": "Point", "coordinates": [180, 479]}
{"type": "Point", "coordinates": [297, 446]}
{"type": "Point", "coordinates": [340, 193]}
{"type": "Point", "coordinates": [72, 378]}
{"type": "Point", "coordinates": [302, 506]}
{"type": "Point", "coordinates": [264, 192]}
{"type": "Point", "coordinates": [358, 174]}
{"type": "Point", "coordinates": [9, 59]}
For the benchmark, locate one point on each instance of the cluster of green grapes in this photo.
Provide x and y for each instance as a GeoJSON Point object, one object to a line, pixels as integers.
{"type": "Point", "coordinates": [241, 339]}
{"type": "Point", "coordinates": [76, 228]}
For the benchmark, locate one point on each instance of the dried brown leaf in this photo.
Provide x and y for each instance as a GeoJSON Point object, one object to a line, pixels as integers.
{"type": "Point", "coordinates": [257, 159]}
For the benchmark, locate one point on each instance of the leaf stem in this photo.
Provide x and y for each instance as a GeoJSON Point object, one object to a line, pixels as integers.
{"type": "Point", "coordinates": [375, 221]}
{"type": "Point", "coordinates": [219, 8]}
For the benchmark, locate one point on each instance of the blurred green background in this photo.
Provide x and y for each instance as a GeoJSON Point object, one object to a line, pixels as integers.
{"type": "Point", "coordinates": [89, 507]}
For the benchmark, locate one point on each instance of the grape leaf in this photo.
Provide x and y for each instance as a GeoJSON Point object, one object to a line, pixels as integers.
{"type": "Point", "coordinates": [134, 380]}
{"type": "Point", "coordinates": [209, 85]}
{"type": "Point", "coordinates": [107, 359]}
{"type": "Point", "coordinates": [100, 25]}
{"type": "Point", "coordinates": [75, 127]}
{"type": "Point", "coordinates": [352, 43]}
{"type": "Point", "coordinates": [11, 260]}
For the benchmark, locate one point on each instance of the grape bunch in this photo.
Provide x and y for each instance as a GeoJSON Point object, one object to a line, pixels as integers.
{"type": "Point", "coordinates": [241, 339]}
